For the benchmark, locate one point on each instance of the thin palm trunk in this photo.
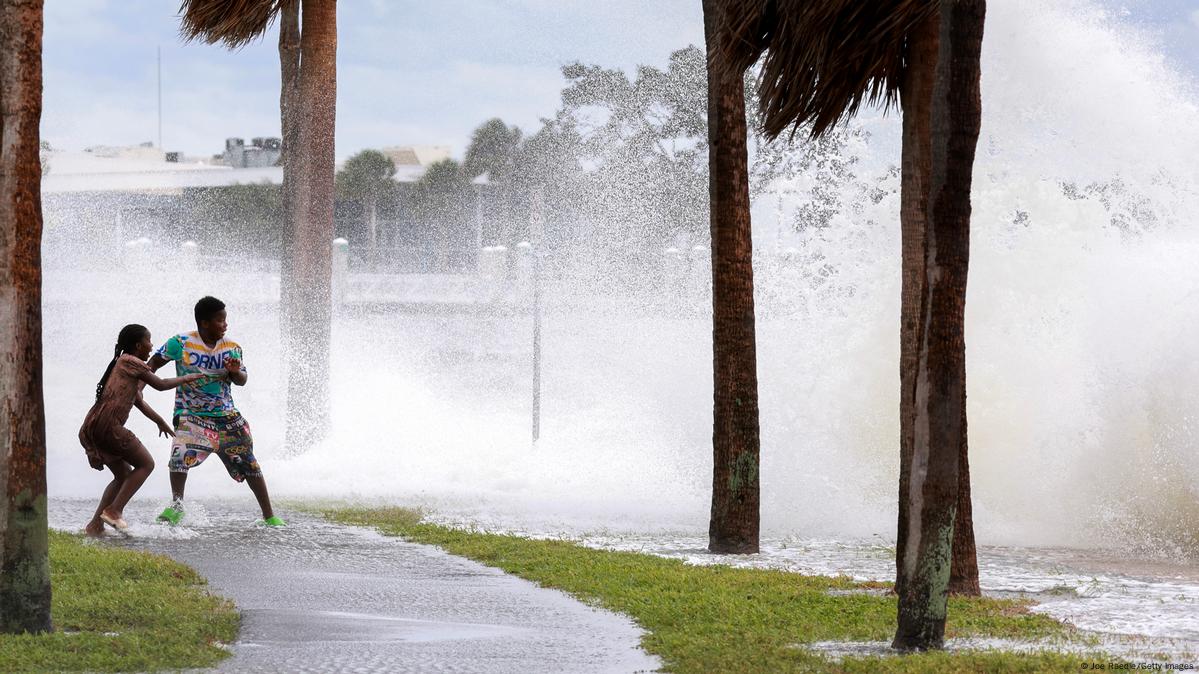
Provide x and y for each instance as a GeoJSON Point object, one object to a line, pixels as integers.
{"type": "Point", "coordinates": [940, 386]}
{"type": "Point", "coordinates": [289, 116]}
{"type": "Point", "coordinates": [735, 436]}
{"type": "Point", "coordinates": [308, 265]}
{"type": "Point", "coordinates": [291, 198]}
{"type": "Point", "coordinates": [24, 560]}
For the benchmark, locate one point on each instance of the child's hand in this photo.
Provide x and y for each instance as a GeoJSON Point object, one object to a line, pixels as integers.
{"type": "Point", "coordinates": [195, 376]}
{"type": "Point", "coordinates": [164, 430]}
{"type": "Point", "coordinates": [233, 364]}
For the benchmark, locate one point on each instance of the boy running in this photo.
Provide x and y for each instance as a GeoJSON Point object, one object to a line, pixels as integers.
{"type": "Point", "coordinates": [206, 420]}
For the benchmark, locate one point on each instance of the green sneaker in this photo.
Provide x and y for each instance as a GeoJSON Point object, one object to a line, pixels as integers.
{"type": "Point", "coordinates": [172, 515]}
{"type": "Point", "coordinates": [274, 521]}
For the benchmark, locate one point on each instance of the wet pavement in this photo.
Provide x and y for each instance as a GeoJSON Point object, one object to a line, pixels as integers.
{"type": "Point", "coordinates": [320, 597]}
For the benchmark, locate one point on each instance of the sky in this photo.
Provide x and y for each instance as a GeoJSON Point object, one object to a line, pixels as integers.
{"type": "Point", "coordinates": [410, 72]}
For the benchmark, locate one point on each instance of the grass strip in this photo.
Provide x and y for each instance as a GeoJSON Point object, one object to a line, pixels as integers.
{"type": "Point", "coordinates": [118, 610]}
{"type": "Point", "coordinates": [725, 619]}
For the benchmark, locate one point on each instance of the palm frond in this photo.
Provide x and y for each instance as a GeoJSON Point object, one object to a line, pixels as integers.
{"type": "Point", "coordinates": [823, 58]}
{"type": "Point", "coordinates": [235, 23]}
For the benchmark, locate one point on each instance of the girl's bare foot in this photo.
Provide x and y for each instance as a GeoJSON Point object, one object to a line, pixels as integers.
{"type": "Point", "coordinates": [114, 519]}
{"type": "Point", "coordinates": [95, 529]}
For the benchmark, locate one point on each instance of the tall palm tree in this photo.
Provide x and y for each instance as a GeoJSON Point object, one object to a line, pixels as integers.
{"type": "Point", "coordinates": [823, 59]}
{"type": "Point", "coordinates": [915, 93]}
{"type": "Point", "coordinates": [308, 111]}
{"type": "Point", "coordinates": [734, 523]}
{"type": "Point", "coordinates": [24, 560]}
{"type": "Point", "coordinates": [939, 424]}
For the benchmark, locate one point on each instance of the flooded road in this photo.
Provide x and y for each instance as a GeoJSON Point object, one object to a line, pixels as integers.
{"type": "Point", "coordinates": [1134, 608]}
{"type": "Point", "coordinates": [317, 596]}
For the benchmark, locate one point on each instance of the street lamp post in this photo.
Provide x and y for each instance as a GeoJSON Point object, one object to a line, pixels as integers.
{"type": "Point", "coordinates": [480, 182]}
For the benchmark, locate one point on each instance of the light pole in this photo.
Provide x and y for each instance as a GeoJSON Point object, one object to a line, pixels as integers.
{"type": "Point", "coordinates": [480, 182]}
{"type": "Point", "coordinates": [536, 224]}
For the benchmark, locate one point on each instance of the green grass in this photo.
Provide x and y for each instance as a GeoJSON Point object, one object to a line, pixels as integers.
{"type": "Point", "coordinates": [120, 610]}
{"type": "Point", "coordinates": [724, 619]}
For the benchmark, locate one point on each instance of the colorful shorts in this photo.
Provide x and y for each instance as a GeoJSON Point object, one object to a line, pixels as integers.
{"type": "Point", "coordinates": [229, 437]}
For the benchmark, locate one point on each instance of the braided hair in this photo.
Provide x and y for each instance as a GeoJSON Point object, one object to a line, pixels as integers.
{"type": "Point", "coordinates": [126, 341]}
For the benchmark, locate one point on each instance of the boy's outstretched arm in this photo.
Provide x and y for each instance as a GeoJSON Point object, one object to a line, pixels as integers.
{"type": "Point", "coordinates": [159, 384]}
{"type": "Point", "coordinates": [163, 427]}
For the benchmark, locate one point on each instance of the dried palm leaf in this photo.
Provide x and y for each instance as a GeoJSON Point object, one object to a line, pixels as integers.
{"type": "Point", "coordinates": [235, 23]}
{"type": "Point", "coordinates": [823, 58]}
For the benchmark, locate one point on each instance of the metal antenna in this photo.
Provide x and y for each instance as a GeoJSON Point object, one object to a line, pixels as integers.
{"type": "Point", "coordinates": [160, 97]}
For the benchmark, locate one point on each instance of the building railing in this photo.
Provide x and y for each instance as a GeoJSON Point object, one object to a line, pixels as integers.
{"type": "Point", "coordinates": [669, 281]}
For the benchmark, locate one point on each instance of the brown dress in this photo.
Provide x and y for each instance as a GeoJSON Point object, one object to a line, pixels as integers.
{"type": "Point", "coordinates": [104, 436]}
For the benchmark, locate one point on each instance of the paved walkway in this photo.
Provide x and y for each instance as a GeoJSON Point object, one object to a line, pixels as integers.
{"type": "Point", "coordinates": [319, 597]}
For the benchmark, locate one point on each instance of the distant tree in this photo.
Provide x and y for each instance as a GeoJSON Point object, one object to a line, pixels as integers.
{"type": "Point", "coordinates": [442, 191]}
{"type": "Point", "coordinates": [441, 200]}
{"type": "Point", "coordinates": [24, 561]}
{"type": "Point", "coordinates": [1129, 208]}
{"type": "Point", "coordinates": [626, 158]}
{"type": "Point", "coordinates": [646, 139]}
{"type": "Point", "coordinates": [825, 160]}
{"type": "Point", "coordinates": [548, 163]}
{"type": "Point", "coordinates": [366, 178]}
{"type": "Point", "coordinates": [643, 141]}
{"type": "Point", "coordinates": [249, 215]}
{"type": "Point", "coordinates": [644, 144]}
{"type": "Point", "coordinates": [44, 156]}
{"type": "Point", "coordinates": [492, 150]}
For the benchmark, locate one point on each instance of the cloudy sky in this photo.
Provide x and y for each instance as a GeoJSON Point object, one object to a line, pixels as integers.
{"type": "Point", "coordinates": [411, 72]}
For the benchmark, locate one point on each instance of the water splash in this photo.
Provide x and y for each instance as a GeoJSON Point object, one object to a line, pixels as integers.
{"type": "Point", "coordinates": [1080, 324]}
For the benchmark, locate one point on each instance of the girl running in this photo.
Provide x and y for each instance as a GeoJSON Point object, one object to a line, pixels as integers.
{"type": "Point", "coordinates": [104, 436]}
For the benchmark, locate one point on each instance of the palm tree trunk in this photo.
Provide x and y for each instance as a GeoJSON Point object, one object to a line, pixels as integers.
{"type": "Point", "coordinates": [24, 550]}
{"type": "Point", "coordinates": [940, 387]}
{"type": "Point", "coordinates": [292, 200]}
{"type": "Point", "coordinates": [735, 435]}
{"type": "Point", "coordinates": [963, 573]}
{"type": "Point", "coordinates": [916, 99]}
{"type": "Point", "coordinates": [289, 116]}
{"type": "Point", "coordinates": [308, 267]}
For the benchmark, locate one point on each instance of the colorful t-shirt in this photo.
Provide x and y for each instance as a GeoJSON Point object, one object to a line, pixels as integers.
{"type": "Point", "coordinates": [205, 397]}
